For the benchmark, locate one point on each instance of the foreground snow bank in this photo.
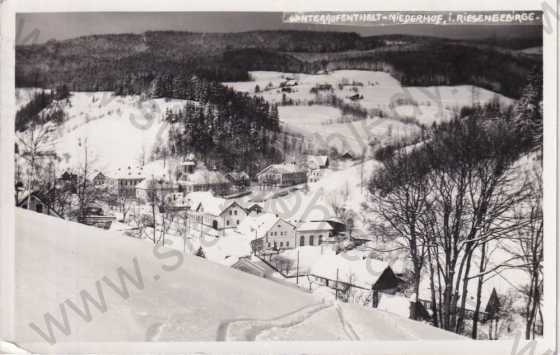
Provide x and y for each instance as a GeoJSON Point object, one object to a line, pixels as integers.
{"type": "Point", "coordinates": [140, 293]}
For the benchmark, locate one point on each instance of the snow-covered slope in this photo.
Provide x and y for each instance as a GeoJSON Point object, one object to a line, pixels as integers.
{"type": "Point", "coordinates": [379, 90]}
{"type": "Point", "coordinates": [178, 299]}
{"type": "Point", "coordinates": [118, 129]}
{"type": "Point", "coordinates": [24, 96]}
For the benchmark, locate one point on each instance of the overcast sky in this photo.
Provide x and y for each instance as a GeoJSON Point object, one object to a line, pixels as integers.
{"type": "Point", "coordinates": [61, 26]}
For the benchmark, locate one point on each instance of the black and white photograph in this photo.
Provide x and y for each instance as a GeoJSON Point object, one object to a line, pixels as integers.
{"type": "Point", "coordinates": [279, 177]}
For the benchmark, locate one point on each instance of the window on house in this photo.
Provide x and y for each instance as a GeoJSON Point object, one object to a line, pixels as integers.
{"type": "Point", "coordinates": [275, 245]}
{"type": "Point", "coordinates": [320, 240]}
{"type": "Point", "coordinates": [39, 208]}
{"type": "Point", "coordinates": [235, 212]}
{"type": "Point", "coordinates": [230, 212]}
{"type": "Point", "coordinates": [281, 244]}
{"type": "Point", "coordinates": [311, 240]}
{"type": "Point", "coordinates": [287, 244]}
{"type": "Point", "coordinates": [227, 223]}
{"type": "Point", "coordinates": [237, 222]}
{"type": "Point", "coordinates": [268, 244]}
{"type": "Point", "coordinates": [301, 241]}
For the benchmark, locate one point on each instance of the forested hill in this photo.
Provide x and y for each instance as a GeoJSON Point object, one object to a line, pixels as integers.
{"type": "Point", "coordinates": [99, 62]}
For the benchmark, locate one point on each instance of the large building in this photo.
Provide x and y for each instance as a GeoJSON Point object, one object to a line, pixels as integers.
{"type": "Point", "coordinates": [195, 177]}
{"type": "Point", "coordinates": [214, 212]}
{"type": "Point", "coordinates": [269, 232]}
{"type": "Point", "coordinates": [124, 180]}
{"type": "Point", "coordinates": [281, 175]}
{"type": "Point", "coordinates": [314, 233]}
{"type": "Point", "coordinates": [205, 180]}
{"type": "Point", "coordinates": [146, 188]}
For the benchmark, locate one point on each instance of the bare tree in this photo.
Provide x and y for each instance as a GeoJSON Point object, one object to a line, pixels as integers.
{"type": "Point", "coordinates": [153, 198]}
{"type": "Point", "coordinates": [35, 147]}
{"type": "Point", "coordinates": [398, 198]}
{"type": "Point", "coordinates": [182, 226]}
{"type": "Point", "coordinates": [527, 246]}
{"type": "Point", "coordinates": [87, 192]}
{"type": "Point", "coordinates": [473, 196]}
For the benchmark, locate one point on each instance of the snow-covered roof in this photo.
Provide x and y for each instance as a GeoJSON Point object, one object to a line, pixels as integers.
{"type": "Point", "coordinates": [203, 177]}
{"type": "Point", "coordinates": [128, 172]}
{"type": "Point", "coordinates": [145, 184]}
{"type": "Point", "coordinates": [314, 226]}
{"type": "Point", "coordinates": [396, 304]}
{"type": "Point", "coordinates": [257, 226]}
{"type": "Point", "coordinates": [351, 269]}
{"type": "Point", "coordinates": [210, 204]}
{"type": "Point", "coordinates": [238, 175]}
{"type": "Point", "coordinates": [317, 161]}
{"type": "Point", "coordinates": [281, 169]}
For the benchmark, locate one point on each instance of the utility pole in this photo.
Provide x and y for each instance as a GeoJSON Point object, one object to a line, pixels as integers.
{"type": "Point", "coordinates": [297, 269]}
{"type": "Point", "coordinates": [336, 286]}
{"type": "Point", "coordinates": [255, 244]}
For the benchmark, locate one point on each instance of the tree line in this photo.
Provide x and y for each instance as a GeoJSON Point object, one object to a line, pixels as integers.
{"type": "Point", "coordinates": [231, 130]}
{"type": "Point", "coordinates": [32, 111]}
{"type": "Point", "coordinates": [449, 201]}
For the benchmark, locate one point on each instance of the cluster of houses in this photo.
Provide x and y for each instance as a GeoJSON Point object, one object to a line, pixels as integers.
{"type": "Point", "coordinates": [269, 232]}
{"type": "Point", "coordinates": [195, 177]}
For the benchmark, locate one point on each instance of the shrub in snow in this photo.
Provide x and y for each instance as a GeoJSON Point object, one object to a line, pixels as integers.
{"type": "Point", "coordinates": [200, 253]}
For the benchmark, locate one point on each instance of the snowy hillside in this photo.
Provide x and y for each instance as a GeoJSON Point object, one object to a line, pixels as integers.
{"type": "Point", "coordinates": [379, 91]}
{"type": "Point", "coordinates": [127, 125]}
{"type": "Point", "coordinates": [24, 95]}
{"type": "Point", "coordinates": [190, 299]}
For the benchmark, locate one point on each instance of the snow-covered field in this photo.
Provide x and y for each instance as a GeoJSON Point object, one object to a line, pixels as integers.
{"type": "Point", "coordinates": [379, 90]}
{"type": "Point", "coordinates": [169, 297]}
{"type": "Point", "coordinates": [322, 129]}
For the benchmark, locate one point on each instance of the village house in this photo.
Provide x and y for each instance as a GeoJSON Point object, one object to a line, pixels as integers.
{"type": "Point", "coordinates": [69, 177]}
{"type": "Point", "coordinates": [317, 162]}
{"type": "Point", "coordinates": [348, 155]}
{"type": "Point", "coordinates": [99, 179]}
{"type": "Point", "coordinates": [146, 188]}
{"type": "Point", "coordinates": [240, 180]}
{"type": "Point", "coordinates": [35, 201]}
{"type": "Point", "coordinates": [254, 209]}
{"type": "Point", "coordinates": [281, 175]}
{"type": "Point", "coordinates": [313, 233]}
{"type": "Point", "coordinates": [124, 180]}
{"type": "Point", "coordinates": [351, 273]}
{"type": "Point", "coordinates": [245, 264]}
{"type": "Point", "coordinates": [188, 165]}
{"type": "Point", "coordinates": [195, 177]}
{"type": "Point", "coordinates": [316, 165]}
{"type": "Point", "coordinates": [214, 212]}
{"type": "Point", "coordinates": [269, 232]}
{"type": "Point", "coordinates": [314, 175]}
{"type": "Point", "coordinates": [205, 180]}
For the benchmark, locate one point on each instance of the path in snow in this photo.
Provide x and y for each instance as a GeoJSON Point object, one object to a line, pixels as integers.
{"type": "Point", "coordinates": [250, 328]}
